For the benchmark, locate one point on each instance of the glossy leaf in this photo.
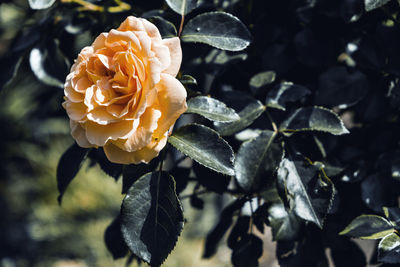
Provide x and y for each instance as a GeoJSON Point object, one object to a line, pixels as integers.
{"type": "Point", "coordinates": [68, 166]}
{"type": "Point", "coordinates": [284, 93]}
{"type": "Point", "coordinates": [152, 217]}
{"type": "Point", "coordinates": [251, 160]}
{"type": "Point", "coordinates": [41, 4]}
{"type": "Point", "coordinates": [211, 109]}
{"type": "Point", "coordinates": [187, 79]}
{"type": "Point", "coordinates": [314, 119]}
{"type": "Point", "coordinates": [261, 79]}
{"type": "Point", "coordinates": [373, 4]}
{"type": "Point", "coordinates": [218, 29]}
{"type": "Point", "coordinates": [132, 172]}
{"type": "Point", "coordinates": [205, 146]}
{"type": "Point", "coordinates": [310, 194]}
{"type": "Point", "coordinates": [247, 116]}
{"type": "Point", "coordinates": [389, 249]}
{"type": "Point", "coordinates": [368, 227]}
{"type": "Point", "coordinates": [182, 7]}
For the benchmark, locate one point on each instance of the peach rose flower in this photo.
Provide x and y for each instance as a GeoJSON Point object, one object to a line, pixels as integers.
{"type": "Point", "coordinates": [122, 93]}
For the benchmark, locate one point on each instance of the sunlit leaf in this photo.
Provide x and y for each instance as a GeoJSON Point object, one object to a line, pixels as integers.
{"type": "Point", "coordinates": [211, 109]}
{"type": "Point", "coordinates": [314, 119]}
{"type": "Point", "coordinates": [41, 4]}
{"type": "Point", "coordinates": [205, 146]}
{"type": "Point", "coordinates": [218, 29]}
{"type": "Point", "coordinates": [182, 7]}
{"type": "Point", "coordinates": [368, 227]}
{"type": "Point", "coordinates": [389, 249]}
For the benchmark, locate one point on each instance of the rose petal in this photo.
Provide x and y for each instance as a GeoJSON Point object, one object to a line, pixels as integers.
{"type": "Point", "coordinates": [83, 84]}
{"type": "Point", "coordinates": [89, 101]}
{"type": "Point", "coordinates": [101, 116]}
{"type": "Point", "coordinates": [78, 133]}
{"type": "Point", "coordinates": [131, 23]}
{"type": "Point", "coordinates": [151, 29]}
{"type": "Point", "coordinates": [125, 37]}
{"type": "Point", "coordinates": [171, 101]}
{"type": "Point", "coordinates": [99, 134]}
{"type": "Point", "coordinates": [143, 135]}
{"type": "Point", "coordinates": [75, 111]}
{"type": "Point", "coordinates": [71, 94]}
{"type": "Point", "coordinates": [144, 155]}
{"type": "Point", "coordinates": [162, 53]}
{"type": "Point", "coordinates": [174, 45]}
{"type": "Point", "coordinates": [100, 41]}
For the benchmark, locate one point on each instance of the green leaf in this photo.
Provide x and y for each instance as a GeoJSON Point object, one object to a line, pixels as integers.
{"type": "Point", "coordinates": [222, 58]}
{"type": "Point", "coordinates": [114, 241]}
{"type": "Point", "coordinates": [247, 116]}
{"type": "Point", "coordinates": [152, 217]}
{"type": "Point", "coordinates": [373, 4]}
{"type": "Point", "coordinates": [211, 109]}
{"type": "Point", "coordinates": [132, 172]}
{"type": "Point", "coordinates": [49, 64]}
{"type": "Point", "coordinates": [205, 146]}
{"type": "Point", "coordinates": [68, 166]}
{"type": "Point", "coordinates": [261, 79]}
{"type": "Point", "coordinates": [187, 79]}
{"type": "Point", "coordinates": [309, 193]}
{"type": "Point", "coordinates": [41, 4]}
{"type": "Point", "coordinates": [285, 225]}
{"type": "Point", "coordinates": [389, 249]}
{"type": "Point", "coordinates": [218, 29]}
{"type": "Point", "coordinates": [251, 158]}
{"type": "Point", "coordinates": [284, 93]}
{"type": "Point", "coordinates": [166, 28]}
{"type": "Point", "coordinates": [182, 7]}
{"type": "Point", "coordinates": [368, 227]}
{"type": "Point", "coordinates": [314, 119]}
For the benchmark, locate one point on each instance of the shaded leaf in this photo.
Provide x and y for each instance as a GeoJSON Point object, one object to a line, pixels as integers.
{"type": "Point", "coordinates": [152, 217]}
{"type": "Point", "coordinates": [48, 64]}
{"type": "Point", "coordinates": [285, 225]}
{"type": "Point", "coordinates": [247, 252]}
{"type": "Point", "coordinates": [223, 58]}
{"type": "Point", "coordinates": [7, 76]}
{"type": "Point", "coordinates": [389, 249]}
{"type": "Point", "coordinates": [68, 166]}
{"type": "Point", "coordinates": [284, 93]}
{"type": "Point", "coordinates": [132, 172]}
{"type": "Point", "coordinates": [238, 231]}
{"type": "Point", "coordinates": [196, 202]}
{"type": "Point", "coordinates": [310, 195]}
{"type": "Point", "coordinates": [373, 4]}
{"type": "Point", "coordinates": [251, 159]}
{"type": "Point", "coordinates": [341, 88]}
{"type": "Point", "coordinates": [213, 181]}
{"type": "Point", "coordinates": [314, 119]}
{"type": "Point", "coordinates": [41, 4]}
{"type": "Point", "coordinates": [211, 109]}
{"type": "Point", "coordinates": [167, 29]}
{"type": "Point", "coordinates": [348, 253]}
{"type": "Point", "coordinates": [247, 115]}
{"type": "Point", "coordinates": [182, 7]}
{"type": "Point", "coordinates": [393, 214]}
{"type": "Point", "coordinates": [218, 29]}
{"type": "Point", "coordinates": [205, 146]}
{"type": "Point", "coordinates": [218, 232]}
{"type": "Point", "coordinates": [368, 227]}
{"type": "Point", "coordinates": [112, 169]}
{"type": "Point", "coordinates": [114, 240]}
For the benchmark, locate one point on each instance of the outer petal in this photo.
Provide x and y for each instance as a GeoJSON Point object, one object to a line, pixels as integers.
{"type": "Point", "coordinates": [175, 50]}
{"type": "Point", "coordinates": [100, 41]}
{"type": "Point", "coordinates": [78, 133]}
{"type": "Point", "coordinates": [144, 155]}
{"type": "Point", "coordinates": [172, 102]}
{"type": "Point", "coordinates": [99, 134]}
{"type": "Point", "coordinates": [151, 29]}
{"type": "Point", "coordinates": [143, 135]}
{"type": "Point", "coordinates": [75, 111]}
{"type": "Point", "coordinates": [131, 23]}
